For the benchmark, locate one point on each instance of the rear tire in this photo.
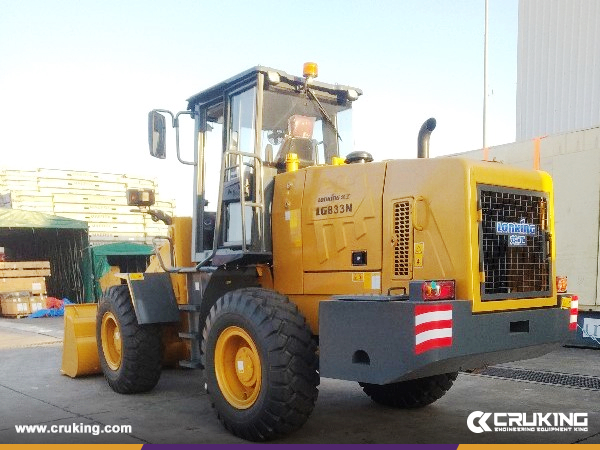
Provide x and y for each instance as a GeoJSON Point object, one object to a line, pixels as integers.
{"type": "Point", "coordinates": [260, 364]}
{"type": "Point", "coordinates": [130, 354]}
{"type": "Point", "coordinates": [411, 393]}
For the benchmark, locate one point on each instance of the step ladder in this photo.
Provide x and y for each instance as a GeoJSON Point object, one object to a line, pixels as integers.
{"type": "Point", "coordinates": [193, 335]}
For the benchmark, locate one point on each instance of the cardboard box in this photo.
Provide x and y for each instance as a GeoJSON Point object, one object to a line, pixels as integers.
{"type": "Point", "coordinates": [15, 304]}
{"type": "Point", "coordinates": [37, 302]}
{"type": "Point", "coordinates": [35, 285]}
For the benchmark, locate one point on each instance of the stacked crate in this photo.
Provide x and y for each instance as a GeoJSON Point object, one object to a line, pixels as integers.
{"type": "Point", "coordinates": [23, 287]}
{"type": "Point", "coordinates": [96, 198]}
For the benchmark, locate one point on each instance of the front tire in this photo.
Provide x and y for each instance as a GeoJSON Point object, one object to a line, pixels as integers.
{"type": "Point", "coordinates": [130, 354]}
{"type": "Point", "coordinates": [260, 364]}
{"type": "Point", "coordinates": [411, 393]}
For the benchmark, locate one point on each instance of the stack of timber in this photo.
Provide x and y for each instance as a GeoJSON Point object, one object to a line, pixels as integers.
{"type": "Point", "coordinates": [23, 287]}
{"type": "Point", "coordinates": [96, 198]}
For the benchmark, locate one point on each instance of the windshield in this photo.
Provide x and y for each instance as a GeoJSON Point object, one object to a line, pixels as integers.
{"type": "Point", "coordinates": [295, 117]}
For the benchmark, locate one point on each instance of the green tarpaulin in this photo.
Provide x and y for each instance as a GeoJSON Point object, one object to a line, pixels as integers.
{"type": "Point", "coordinates": [14, 218]}
{"type": "Point", "coordinates": [129, 256]}
{"type": "Point", "coordinates": [122, 248]}
{"type": "Point", "coordinates": [31, 236]}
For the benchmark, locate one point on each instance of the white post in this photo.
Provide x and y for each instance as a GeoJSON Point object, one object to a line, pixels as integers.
{"type": "Point", "coordinates": [485, 51]}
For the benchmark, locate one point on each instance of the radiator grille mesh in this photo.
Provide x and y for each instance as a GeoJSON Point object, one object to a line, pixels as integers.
{"type": "Point", "coordinates": [513, 271]}
{"type": "Point", "coordinates": [402, 239]}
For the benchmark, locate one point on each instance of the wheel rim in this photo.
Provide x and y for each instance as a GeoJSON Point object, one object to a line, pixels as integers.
{"type": "Point", "coordinates": [112, 345]}
{"type": "Point", "coordinates": [237, 367]}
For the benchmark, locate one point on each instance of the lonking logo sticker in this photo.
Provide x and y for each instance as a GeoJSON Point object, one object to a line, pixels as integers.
{"type": "Point", "coordinates": [517, 232]}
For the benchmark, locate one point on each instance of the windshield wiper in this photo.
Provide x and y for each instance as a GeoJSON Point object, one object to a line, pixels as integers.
{"type": "Point", "coordinates": [328, 119]}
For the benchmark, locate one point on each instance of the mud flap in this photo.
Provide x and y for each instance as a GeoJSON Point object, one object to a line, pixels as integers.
{"type": "Point", "coordinates": [153, 298]}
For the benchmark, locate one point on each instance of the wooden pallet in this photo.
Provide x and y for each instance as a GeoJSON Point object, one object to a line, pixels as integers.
{"type": "Point", "coordinates": [35, 208]}
{"type": "Point", "coordinates": [13, 265]}
{"type": "Point", "coordinates": [30, 196]}
{"type": "Point", "coordinates": [34, 204]}
{"type": "Point", "coordinates": [116, 227]}
{"type": "Point", "coordinates": [135, 182]}
{"type": "Point", "coordinates": [20, 185]}
{"type": "Point", "coordinates": [81, 184]}
{"type": "Point", "coordinates": [18, 175]}
{"type": "Point", "coordinates": [120, 236]}
{"type": "Point", "coordinates": [57, 190]}
{"type": "Point", "coordinates": [17, 316]}
{"type": "Point", "coordinates": [92, 209]}
{"type": "Point", "coordinates": [79, 175]}
{"type": "Point", "coordinates": [96, 198]}
{"type": "Point", "coordinates": [24, 273]}
{"type": "Point", "coordinates": [157, 230]}
{"type": "Point", "coordinates": [91, 199]}
{"type": "Point", "coordinates": [105, 218]}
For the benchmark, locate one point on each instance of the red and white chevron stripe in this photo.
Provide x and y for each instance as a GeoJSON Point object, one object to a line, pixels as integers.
{"type": "Point", "coordinates": [574, 312]}
{"type": "Point", "coordinates": [433, 327]}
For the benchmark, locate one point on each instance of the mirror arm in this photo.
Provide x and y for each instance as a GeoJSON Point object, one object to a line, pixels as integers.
{"type": "Point", "coordinates": [176, 126]}
{"type": "Point", "coordinates": [166, 111]}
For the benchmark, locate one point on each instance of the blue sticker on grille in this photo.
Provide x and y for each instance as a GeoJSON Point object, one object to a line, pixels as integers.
{"type": "Point", "coordinates": [520, 228]}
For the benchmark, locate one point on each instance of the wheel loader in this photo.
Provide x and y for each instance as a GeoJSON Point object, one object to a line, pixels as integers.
{"type": "Point", "coordinates": [318, 261]}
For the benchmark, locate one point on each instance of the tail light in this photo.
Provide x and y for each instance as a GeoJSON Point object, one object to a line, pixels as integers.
{"type": "Point", "coordinates": [561, 284]}
{"type": "Point", "coordinates": [438, 290]}
{"type": "Point", "coordinates": [574, 312]}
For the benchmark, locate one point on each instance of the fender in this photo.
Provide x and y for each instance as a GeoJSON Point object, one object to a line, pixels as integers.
{"type": "Point", "coordinates": [153, 297]}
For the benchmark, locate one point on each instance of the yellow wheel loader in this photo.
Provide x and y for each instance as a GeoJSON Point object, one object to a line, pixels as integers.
{"type": "Point", "coordinates": [319, 261]}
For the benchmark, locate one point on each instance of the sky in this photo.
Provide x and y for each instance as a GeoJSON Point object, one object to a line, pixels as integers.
{"type": "Point", "coordinates": [78, 77]}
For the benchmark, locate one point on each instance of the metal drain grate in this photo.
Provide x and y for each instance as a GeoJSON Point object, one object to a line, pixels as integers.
{"type": "Point", "coordinates": [555, 378]}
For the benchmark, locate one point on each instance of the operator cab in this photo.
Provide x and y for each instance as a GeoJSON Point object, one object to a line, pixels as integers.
{"type": "Point", "coordinates": [262, 122]}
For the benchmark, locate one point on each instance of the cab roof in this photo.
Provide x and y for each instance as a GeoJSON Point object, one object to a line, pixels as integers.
{"type": "Point", "coordinates": [216, 92]}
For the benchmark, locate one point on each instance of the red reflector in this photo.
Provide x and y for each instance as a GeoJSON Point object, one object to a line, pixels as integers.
{"type": "Point", "coordinates": [438, 290]}
{"type": "Point", "coordinates": [574, 312]}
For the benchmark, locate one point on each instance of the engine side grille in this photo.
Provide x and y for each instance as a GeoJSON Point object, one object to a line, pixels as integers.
{"type": "Point", "coordinates": [402, 239]}
{"type": "Point", "coordinates": [514, 250]}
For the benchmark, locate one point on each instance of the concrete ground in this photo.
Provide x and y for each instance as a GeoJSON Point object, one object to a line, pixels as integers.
{"type": "Point", "coordinates": [32, 391]}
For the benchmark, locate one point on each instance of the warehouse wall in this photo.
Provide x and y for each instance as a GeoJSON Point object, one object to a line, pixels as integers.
{"type": "Point", "coordinates": [558, 67]}
{"type": "Point", "coordinates": [573, 160]}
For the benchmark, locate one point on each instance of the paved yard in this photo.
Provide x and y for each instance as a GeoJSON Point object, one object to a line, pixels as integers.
{"type": "Point", "coordinates": [178, 411]}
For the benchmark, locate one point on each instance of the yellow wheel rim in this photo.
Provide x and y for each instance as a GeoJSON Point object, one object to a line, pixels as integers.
{"type": "Point", "coordinates": [112, 346]}
{"type": "Point", "coordinates": [237, 367]}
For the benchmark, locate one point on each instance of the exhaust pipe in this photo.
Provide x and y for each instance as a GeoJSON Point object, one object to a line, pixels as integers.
{"type": "Point", "coordinates": [423, 139]}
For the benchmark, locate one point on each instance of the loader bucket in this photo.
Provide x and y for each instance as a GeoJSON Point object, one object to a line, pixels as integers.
{"type": "Point", "coordinates": [80, 352]}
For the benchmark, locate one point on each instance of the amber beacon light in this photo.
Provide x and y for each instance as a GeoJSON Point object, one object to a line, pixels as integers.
{"type": "Point", "coordinates": [310, 70]}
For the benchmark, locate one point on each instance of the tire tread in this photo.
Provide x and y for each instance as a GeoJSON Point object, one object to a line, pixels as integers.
{"type": "Point", "coordinates": [292, 363]}
{"type": "Point", "coordinates": [411, 393]}
{"type": "Point", "coordinates": [142, 347]}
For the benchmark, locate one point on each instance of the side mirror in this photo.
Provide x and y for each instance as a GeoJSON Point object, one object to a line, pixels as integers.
{"type": "Point", "coordinates": [156, 135]}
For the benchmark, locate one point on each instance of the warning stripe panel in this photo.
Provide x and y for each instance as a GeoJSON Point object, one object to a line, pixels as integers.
{"type": "Point", "coordinates": [433, 343]}
{"type": "Point", "coordinates": [433, 334]}
{"type": "Point", "coordinates": [433, 316]}
{"type": "Point", "coordinates": [433, 327]}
